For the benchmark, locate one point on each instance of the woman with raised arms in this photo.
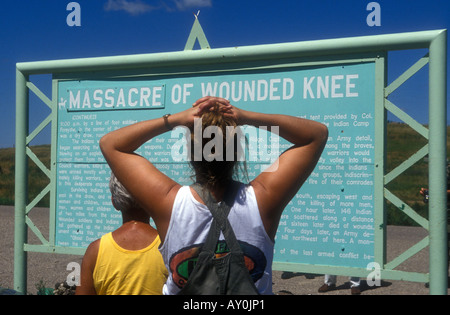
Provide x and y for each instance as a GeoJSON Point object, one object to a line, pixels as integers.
{"type": "Point", "coordinates": [180, 215]}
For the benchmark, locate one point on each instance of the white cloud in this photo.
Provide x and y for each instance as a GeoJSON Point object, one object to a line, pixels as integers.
{"type": "Point", "coordinates": [133, 7]}
{"type": "Point", "coordinates": [184, 4]}
{"type": "Point", "coordinates": [136, 7]}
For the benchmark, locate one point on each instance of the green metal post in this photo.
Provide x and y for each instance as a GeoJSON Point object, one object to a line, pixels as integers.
{"type": "Point", "coordinates": [20, 228]}
{"type": "Point", "coordinates": [380, 160]}
{"type": "Point", "coordinates": [437, 174]}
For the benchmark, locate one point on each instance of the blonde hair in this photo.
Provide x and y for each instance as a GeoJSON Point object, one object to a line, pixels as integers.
{"type": "Point", "coordinates": [211, 173]}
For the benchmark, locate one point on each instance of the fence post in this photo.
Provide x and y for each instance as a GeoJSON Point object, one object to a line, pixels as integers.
{"type": "Point", "coordinates": [21, 179]}
{"type": "Point", "coordinates": [438, 157]}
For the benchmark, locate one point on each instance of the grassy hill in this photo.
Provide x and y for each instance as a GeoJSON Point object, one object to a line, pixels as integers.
{"type": "Point", "coordinates": [36, 179]}
{"type": "Point", "coordinates": [402, 143]}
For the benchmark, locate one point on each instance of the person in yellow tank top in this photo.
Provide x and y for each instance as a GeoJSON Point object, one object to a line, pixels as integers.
{"type": "Point", "coordinates": [126, 261]}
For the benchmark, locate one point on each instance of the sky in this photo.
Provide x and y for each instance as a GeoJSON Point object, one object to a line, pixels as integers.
{"type": "Point", "coordinates": [35, 30]}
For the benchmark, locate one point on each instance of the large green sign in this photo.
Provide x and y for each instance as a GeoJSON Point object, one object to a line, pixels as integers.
{"type": "Point", "coordinates": [330, 220]}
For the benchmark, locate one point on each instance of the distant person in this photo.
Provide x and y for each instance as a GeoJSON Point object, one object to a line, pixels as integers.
{"type": "Point", "coordinates": [181, 217]}
{"type": "Point", "coordinates": [425, 193]}
{"type": "Point", "coordinates": [126, 261]}
{"type": "Point", "coordinates": [330, 285]}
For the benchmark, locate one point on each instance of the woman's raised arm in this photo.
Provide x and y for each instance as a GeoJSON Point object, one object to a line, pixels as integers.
{"type": "Point", "coordinates": [276, 186]}
{"type": "Point", "coordinates": [151, 188]}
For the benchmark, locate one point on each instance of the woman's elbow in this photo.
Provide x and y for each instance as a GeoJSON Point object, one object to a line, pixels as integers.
{"type": "Point", "coordinates": [105, 144]}
{"type": "Point", "coordinates": [322, 133]}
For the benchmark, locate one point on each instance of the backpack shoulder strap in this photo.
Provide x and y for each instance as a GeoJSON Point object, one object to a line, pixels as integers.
{"type": "Point", "coordinates": [220, 213]}
{"type": "Point", "coordinates": [226, 204]}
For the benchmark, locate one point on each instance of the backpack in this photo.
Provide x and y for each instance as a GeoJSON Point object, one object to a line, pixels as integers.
{"type": "Point", "coordinates": [225, 275]}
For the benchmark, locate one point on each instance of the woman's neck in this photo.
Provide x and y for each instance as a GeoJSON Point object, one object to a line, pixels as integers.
{"type": "Point", "coordinates": [218, 190]}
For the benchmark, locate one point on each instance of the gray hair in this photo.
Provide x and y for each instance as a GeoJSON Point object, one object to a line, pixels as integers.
{"type": "Point", "coordinates": [121, 198]}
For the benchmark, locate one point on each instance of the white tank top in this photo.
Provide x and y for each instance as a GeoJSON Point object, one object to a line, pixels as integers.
{"type": "Point", "coordinates": [189, 226]}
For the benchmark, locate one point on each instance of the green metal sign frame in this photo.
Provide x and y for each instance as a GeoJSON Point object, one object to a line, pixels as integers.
{"type": "Point", "coordinates": [309, 53]}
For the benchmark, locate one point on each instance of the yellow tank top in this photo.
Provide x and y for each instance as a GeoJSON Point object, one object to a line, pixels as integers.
{"type": "Point", "coordinates": [128, 272]}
